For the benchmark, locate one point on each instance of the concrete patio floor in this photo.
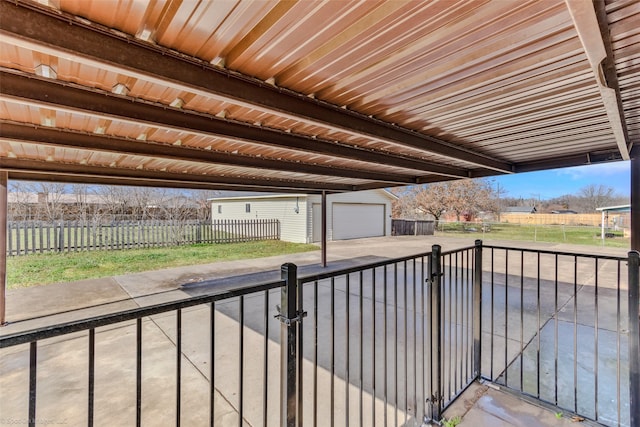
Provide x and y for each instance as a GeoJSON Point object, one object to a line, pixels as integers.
{"type": "Point", "coordinates": [46, 305]}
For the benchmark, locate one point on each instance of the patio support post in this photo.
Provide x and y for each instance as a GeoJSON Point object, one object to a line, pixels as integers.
{"type": "Point", "coordinates": [634, 337]}
{"type": "Point", "coordinates": [324, 229]}
{"type": "Point", "coordinates": [635, 198]}
{"type": "Point", "coordinates": [435, 278]}
{"type": "Point", "coordinates": [3, 243]}
{"type": "Point", "coordinates": [477, 310]}
{"type": "Point", "coordinates": [289, 316]}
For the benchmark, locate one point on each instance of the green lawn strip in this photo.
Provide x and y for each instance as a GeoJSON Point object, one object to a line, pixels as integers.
{"type": "Point", "coordinates": [530, 233]}
{"type": "Point", "coordinates": [40, 269]}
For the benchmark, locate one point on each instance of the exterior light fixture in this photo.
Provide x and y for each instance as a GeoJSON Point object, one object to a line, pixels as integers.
{"type": "Point", "coordinates": [120, 89]}
{"type": "Point", "coordinates": [47, 71]}
{"type": "Point", "coordinates": [177, 103]}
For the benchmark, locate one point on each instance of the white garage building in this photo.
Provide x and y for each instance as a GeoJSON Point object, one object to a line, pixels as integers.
{"type": "Point", "coordinates": [349, 215]}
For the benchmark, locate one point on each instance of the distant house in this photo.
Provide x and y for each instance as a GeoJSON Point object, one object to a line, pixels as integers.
{"type": "Point", "coordinates": [349, 215]}
{"type": "Point", "coordinates": [520, 210]}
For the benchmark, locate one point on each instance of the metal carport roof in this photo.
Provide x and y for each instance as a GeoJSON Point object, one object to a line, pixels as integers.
{"type": "Point", "coordinates": [311, 96]}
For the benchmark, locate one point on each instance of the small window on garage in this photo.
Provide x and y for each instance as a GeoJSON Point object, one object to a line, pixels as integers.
{"type": "Point", "coordinates": [219, 209]}
{"type": "Point", "coordinates": [247, 207]}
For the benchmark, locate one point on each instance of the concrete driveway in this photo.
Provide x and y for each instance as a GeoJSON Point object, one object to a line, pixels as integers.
{"type": "Point", "coordinates": [62, 376]}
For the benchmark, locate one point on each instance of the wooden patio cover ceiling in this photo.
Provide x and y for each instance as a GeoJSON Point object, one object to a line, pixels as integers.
{"type": "Point", "coordinates": [313, 95]}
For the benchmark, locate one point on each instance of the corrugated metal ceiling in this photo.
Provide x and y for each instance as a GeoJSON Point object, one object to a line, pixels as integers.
{"type": "Point", "coordinates": [355, 94]}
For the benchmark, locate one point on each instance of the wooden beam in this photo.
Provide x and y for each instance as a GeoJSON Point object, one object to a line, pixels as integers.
{"type": "Point", "coordinates": [61, 35]}
{"type": "Point", "coordinates": [593, 30]}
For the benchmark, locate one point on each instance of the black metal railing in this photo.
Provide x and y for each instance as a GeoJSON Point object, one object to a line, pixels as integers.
{"type": "Point", "coordinates": [556, 329]}
{"type": "Point", "coordinates": [372, 346]}
{"type": "Point", "coordinates": [389, 343]}
{"type": "Point", "coordinates": [181, 362]}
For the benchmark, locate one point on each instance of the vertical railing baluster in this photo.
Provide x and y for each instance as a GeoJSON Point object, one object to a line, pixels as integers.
{"type": "Point", "coordinates": [241, 362]}
{"type": "Point", "coordinates": [265, 366]}
{"type": "Point", "coordinates": [332, 351]}
{"type": "Point", "coordinates": [521, 320]}
{"type": "Point", "coordinates": [33, 374]}
{"type": "Point", "coordinates": [395, 344]}
{"type": "Point", "coordinates": [477, 310]}
{"type": "Point", "coordinates": [361, 344]}
{"type": "Point", "coordinates": [595, 331]}
{"type": "Point", "coordinates": [374, 318]}
{"type": "Point", "coordinates": [406, 345]}
{"type": "Point", "coordinates": [347, 352]}
{"type": "Point", "coordinates": [634, 338]}
{"type": "Point", "coordinates": [315, 353]}
{"type": "Point", "coordinates": [415, 344]}
{"type": "Point", "coordinates": [539, 330]}
{"type": "Point", "coordinates": [575, 333]}
{"type": "Point", "coordinates": [555, 333]}
{"type": "Point", "coordinates": [506, 317]}
{"type": "Point", "coordinates": [454, 285]}
{"type": "Point", "coordinates": [618, 352]}
{"type": "Point", "coordinates": [435, 278]}
{"type": "Point", "coordinates": [212, 363]}
{"type": "Point", "coordinates": [178, 365]}
{"type": "Point", "coordinates": [385, 353]}
{"type": "Point", "coordinates": [138, 372]}
{"type": "Point", "coordinates": [425, 415]}
{"type": "Point", "coordinates": [91, 376]}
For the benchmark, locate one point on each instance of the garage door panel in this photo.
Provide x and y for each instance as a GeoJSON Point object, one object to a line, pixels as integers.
{"type": "Point", "coordinates": [357, 220]}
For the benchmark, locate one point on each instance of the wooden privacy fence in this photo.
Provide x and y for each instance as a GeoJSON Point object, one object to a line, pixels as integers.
{"type": "Point", "coordinates": [411, 227]}
{"type": "Point", "coordinates": [72, 236]}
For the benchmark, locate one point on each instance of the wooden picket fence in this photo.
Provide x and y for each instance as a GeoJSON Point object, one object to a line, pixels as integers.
{"type": "Point", "coordinates": [72, 236]}
{"type": "Point", "coordinates": [412, 227]}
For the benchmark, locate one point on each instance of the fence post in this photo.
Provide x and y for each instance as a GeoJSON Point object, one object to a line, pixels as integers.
{"type": "Point", "coordinates": [289, 316]}
{"type": "Point", "coordinates": [634, 338]}
{"type": "Point", "coordinates": [61, 237]}
{"type": "Point", "coordinates": [477, 310]}
{"type": "Point", "coordinates": [435, 278]}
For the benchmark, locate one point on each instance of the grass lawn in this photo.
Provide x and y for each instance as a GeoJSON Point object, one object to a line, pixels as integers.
{"type": "Point", "coordinates": [40, 269]}
{"type": "Point", "coordinates": [580, 235]}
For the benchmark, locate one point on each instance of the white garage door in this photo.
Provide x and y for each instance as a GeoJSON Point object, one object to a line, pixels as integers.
{"type": "Point", "coordinates": [355, 220]}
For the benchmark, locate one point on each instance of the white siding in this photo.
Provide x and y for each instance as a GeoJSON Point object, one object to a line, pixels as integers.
{"type": "Point", "coordinates": [298, 227]}
{"type": "Point", "coordinates": [293, 226]}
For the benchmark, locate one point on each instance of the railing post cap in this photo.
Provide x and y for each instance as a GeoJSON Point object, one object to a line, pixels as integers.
{"type": "Point", "coordinates": [288, 266]}
{"type": "Point", "coordinates": [478, 242]}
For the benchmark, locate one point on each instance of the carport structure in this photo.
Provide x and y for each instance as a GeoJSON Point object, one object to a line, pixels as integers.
{"type": "Point", "coordinates": [315, 97]}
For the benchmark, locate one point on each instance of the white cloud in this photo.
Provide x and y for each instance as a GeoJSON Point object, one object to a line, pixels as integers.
{"type": "Point", "coordinates": [595, 171]}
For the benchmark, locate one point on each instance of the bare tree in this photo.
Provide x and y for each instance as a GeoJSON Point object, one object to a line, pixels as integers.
{"type": "Point", "coordinates": [463, 197]}
{"type": "Point", "coordinates": [201, 199]}
{"type": "Point", "coordinates": [404, 206]}
{"type": "Point", "coordinates": [595, 196]}
{"type": "Point", "coordinates": [20, 206]}
{"type": "Point", "coordinates": [433, 199]}
{"type": "Point", "coordinates": [50, 204]}
{"type": "Point", "coordinates": [469, 197]}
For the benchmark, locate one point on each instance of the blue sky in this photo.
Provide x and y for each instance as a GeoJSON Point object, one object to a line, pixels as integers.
{"type": "Point", "coordinates": [557, 182]}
